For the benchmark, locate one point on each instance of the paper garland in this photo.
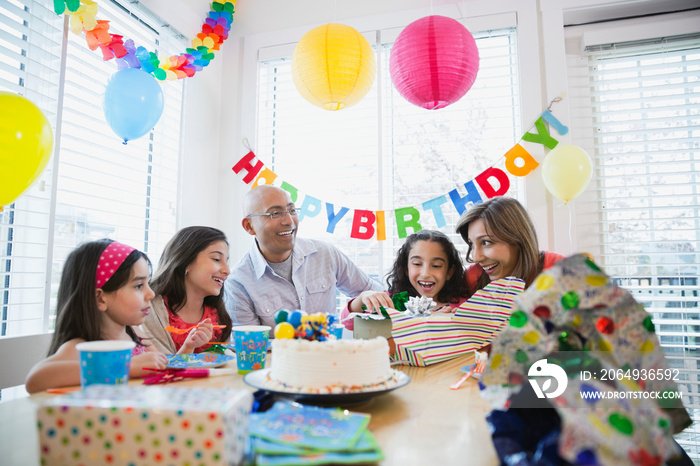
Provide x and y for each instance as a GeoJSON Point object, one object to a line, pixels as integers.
{"type": "Point", "coordinates": [367, 224]}
{"type": "Point", "coordinates": [83, 18]}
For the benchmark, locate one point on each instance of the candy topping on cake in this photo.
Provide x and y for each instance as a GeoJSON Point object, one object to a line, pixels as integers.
{"type": "Point", "coordinates": [299, 325]}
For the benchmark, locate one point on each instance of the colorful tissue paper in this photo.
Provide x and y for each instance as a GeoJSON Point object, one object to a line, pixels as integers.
{"type": "Point", "coordinates": [429, 339]}
{"type": "Point", "coordinates": [84, 18]}
{"type": "Point", "coordinates": [400, 300]}
{"type": "Point", "coordinates": [99, 35]}
{"type": "Point", "coordinates": [114, 49]}
{"type": "Point", "coordinates": [130, 60]}
{"type": "Point", "coordinates": [137, 425]}
{"type": "Point", "coordinates": [577, 318]}
{"type": "Point", "coordinates": [59, 6]}
{"type": "Point", "coordinates": [292, 434]}
{"type": "Point", "coordinates": [215, 31]}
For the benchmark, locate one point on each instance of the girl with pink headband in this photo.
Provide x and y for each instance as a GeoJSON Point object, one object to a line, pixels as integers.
{"type": "Point", "coordinates": [103, 295]}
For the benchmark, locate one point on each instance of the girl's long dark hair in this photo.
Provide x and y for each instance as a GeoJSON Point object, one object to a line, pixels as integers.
{"type": "Point", "coordinates": [455, 288]}
{"type": "Point", "coordinates": [169, 279]}
{"type": "Point", "coordinates": [77, 315]}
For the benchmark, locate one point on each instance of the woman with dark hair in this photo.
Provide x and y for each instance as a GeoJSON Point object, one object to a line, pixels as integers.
{"type": "Point", "coordinates": [103, 295]}
{"type": "Point", "coordinates": [427, 264]}
{"type": "Point", "coordinates": [502, 243]}
{"type": "Point", "coordinates": [189, 286]}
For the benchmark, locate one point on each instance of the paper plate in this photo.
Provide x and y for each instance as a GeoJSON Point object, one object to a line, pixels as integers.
{"type": "Point", "coordinates": [258, 380]}
{"type": "Point", "coordinates": [189, 361]}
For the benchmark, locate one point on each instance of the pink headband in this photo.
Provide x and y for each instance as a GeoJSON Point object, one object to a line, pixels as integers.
{"type": "Point", "coordinates": [112, 257]}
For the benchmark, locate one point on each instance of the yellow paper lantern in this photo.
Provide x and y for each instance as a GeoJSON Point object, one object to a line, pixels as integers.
{"type": "Point", "coordinates": [333, 66]}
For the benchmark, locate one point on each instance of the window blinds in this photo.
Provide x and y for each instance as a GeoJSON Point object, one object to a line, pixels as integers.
{"type": "Point", "coordinates": [641, 101]}
{"type": "Point", "coordinates": [94, 186]}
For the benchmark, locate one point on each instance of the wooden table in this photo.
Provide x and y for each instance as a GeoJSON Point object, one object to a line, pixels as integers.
{"type": "Point", "coordinates": [422, 423]}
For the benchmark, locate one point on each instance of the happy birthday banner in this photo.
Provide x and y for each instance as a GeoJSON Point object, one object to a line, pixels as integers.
{"type": "Point", "coordinates": [372, 223]}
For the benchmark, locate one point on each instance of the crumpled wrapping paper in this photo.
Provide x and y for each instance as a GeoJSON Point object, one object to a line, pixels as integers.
{"type": "Point", "coordinates": [573, 308]}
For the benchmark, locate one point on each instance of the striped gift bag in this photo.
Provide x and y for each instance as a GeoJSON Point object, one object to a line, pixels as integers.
{"type": "Point", "coordinates": [438, 337]}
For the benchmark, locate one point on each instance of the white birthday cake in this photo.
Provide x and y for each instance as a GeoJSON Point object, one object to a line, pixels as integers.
{"type": "Point", "coordinates": [331, 366]}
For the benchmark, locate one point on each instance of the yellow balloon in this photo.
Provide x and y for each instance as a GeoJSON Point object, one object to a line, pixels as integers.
{"type": "Point", "coordinates": [566, 171]}
{"type": "Point", "coordinates": [26, 140]}
{"type": "Point", "coordinates": [333, 66]}
{"type": "Point", "coordinates": [284, 330]}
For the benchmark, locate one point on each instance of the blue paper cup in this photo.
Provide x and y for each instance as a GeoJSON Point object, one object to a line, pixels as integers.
{"type": "Point", "coordinates": [251, 347]}
{"type": "Point", "coordinates": [337, 331]}
{"type": "Point", "coordinates": [104, 362]}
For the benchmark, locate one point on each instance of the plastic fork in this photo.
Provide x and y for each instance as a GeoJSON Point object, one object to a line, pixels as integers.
{"type": "Point", "coordinates": [462, 379]}
{"type": "Point", "coordinates": [186, 330]}
{"type": "Point", "coordinates": [480, 368]}
{"type": "Point", "coordinates": [476, 371]}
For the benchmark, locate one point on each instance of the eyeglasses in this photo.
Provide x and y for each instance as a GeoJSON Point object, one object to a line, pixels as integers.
{"type": "Point", "coordinates": [275, 214]}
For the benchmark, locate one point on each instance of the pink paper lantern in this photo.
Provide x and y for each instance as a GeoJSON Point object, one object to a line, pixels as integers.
{"type": "Point", "coordinates": [434, 62]}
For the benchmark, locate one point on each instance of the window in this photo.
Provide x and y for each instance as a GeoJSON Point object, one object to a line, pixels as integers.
{"type": "Point", "coordinates": [641, 100]}
{"type": "Point", "coordinates": [385, 153]}
{"type": "Point", "coordinates": [94, 186]}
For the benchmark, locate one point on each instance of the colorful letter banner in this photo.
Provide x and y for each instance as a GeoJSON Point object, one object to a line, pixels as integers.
{"type": "Point", "coordinates": [368, 224]}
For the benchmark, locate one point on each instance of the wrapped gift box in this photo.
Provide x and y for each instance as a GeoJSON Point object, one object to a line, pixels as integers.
{"type": "Point", "coordinates": [369, 326]}
{"type": "Point", "coordinates": [139, 425]}
{"type": "Point", "coordinates": [428, 339]}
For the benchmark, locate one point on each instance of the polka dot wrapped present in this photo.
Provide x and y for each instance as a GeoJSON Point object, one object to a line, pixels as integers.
{"type": "Point", "coordinates": [601, 367]}
{"type": "Point", "coordinates": [138, 425]}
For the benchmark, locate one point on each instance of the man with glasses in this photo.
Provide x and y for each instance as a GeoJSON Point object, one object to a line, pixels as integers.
{"type": "Point", "coordinates": [282, 271]}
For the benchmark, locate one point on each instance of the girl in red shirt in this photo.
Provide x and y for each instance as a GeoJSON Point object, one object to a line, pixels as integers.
{"type": "Point", "coordinates": [189, 287]}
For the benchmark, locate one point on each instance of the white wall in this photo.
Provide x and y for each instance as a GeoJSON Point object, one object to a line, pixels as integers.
{"type": "Point", "coordinates": [200, 145]}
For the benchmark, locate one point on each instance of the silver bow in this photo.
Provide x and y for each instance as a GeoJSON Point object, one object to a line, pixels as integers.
{"type": "Point", "coordinates": [419, 306]}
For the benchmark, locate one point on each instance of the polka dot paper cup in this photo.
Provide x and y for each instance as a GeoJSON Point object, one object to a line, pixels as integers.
{"type": "Point", "coordinates": [104, 362]}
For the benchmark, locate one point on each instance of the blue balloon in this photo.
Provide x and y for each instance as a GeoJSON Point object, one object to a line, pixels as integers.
{"type": "Point", "coordinates": [294, 318]}
{"type": "Point", "coordinates": [133, 103]}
